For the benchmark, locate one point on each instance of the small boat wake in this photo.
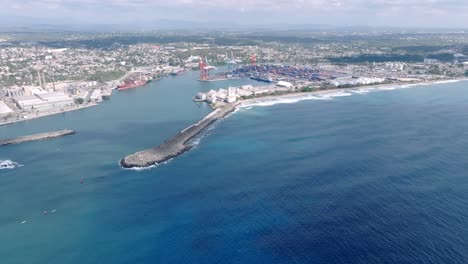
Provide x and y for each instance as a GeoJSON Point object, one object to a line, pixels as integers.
{"type": "Point", "coordinates": [9, 164]}
{"type": "Point", "coordinates": [141, 168]}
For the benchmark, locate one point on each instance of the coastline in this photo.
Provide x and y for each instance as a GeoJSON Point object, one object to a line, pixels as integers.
{"type": "Point", "coordinates": [179, 144]}
{"type": "Point", "coordinates": [48, 114]}
{"type": "Point", "coordinates": [305, 95]}
{"type": "Point", "coordinates": [110, 84]}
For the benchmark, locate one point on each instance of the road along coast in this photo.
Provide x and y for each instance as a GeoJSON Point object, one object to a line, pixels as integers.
{"type": "Point", "coordinates": [36, 137]}
{"type": "Point", "coordinates": [176, 145]}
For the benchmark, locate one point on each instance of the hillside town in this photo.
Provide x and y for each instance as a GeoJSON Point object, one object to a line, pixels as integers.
{"type": "Point", "coordinates": [38, 80]}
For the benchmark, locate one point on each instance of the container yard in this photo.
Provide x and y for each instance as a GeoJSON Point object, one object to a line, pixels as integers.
{"type": "Point", "coordinates": [275, 73]}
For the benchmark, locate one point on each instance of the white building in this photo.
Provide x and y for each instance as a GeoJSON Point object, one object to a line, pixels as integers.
{"type": "Point", "coordinates": [44, 102]}
{"type": "Point", "coordinates": [242, 92]}
{"type": "Point", "coordinates": [16, 91]}
{"type": "Point", "coordinates": [211, 99]}
{"type": "Point", "coordinates": [356, 81]}
{"type": "Point", "coordinates": [284, 84]}
{"type": "Point", "coordinates": [96, 95]}
{"type": "Point", "coordinates": [4, 109]}
{"type": "Point", "coordinates": [260, 92]}
{"type": "Point", "coordinates": [37, 90]}
{"type": "Point", "coordinates": [231, 99]}
{"type": "Point", "coordinates": [211, 94]}
{"type": "Point", "coordinates": [222, 94]}
{"type": "Point", "coordinates": [201, 96]}
{"type": "Point", "coordinates": [91, 84]}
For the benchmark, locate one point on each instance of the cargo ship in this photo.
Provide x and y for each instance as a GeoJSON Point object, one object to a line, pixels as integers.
{"type": "Point", "coordinates": [131, 84]}
{"type": "Point", "coordinates": [261, 77]}
{"type": "Point", "coordinates": [179, 72]}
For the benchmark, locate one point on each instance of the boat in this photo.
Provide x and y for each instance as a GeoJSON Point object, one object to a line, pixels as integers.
{"type": "Point", "coordinates": [7, 164]}
{"type": "Point", "coordinates": [261, 78]}
{"type": "Point", "coordinates": [131, 84]}
{"type": "Point", "coordinates": [179, 72]}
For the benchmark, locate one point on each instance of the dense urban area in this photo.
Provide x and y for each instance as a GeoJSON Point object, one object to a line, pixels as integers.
{"type": "Point", "coordinates": [56, 72]}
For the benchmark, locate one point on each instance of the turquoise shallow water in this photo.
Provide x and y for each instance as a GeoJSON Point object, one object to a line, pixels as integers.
{"type": "Point", "coordinates": [368, 178]}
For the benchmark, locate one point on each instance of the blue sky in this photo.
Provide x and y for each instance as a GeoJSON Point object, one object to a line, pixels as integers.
{"type": "Point", "coordinates": [400, 13]}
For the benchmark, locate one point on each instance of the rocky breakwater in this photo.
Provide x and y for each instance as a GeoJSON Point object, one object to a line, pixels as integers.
{"type": "Point", "coordinates": [36, 137]}
{"type": "Point", "coordinates": [176, 145]}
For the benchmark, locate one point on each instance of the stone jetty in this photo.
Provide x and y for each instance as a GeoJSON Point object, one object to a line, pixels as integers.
{"type": "Point", "coordinates": [36, 137]}
{"type": "Point", "coordinates": [176, 145]}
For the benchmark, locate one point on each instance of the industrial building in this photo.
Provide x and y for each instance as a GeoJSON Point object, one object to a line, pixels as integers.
{"type": "Point", "coordinates": [15, 91]}
{"type": "Point", "coordinates": [284, 84]}
{"type": "Point", "coordinates": [356, 81]}
{"type": "Point", "coordinates": [232, 94]}
{"type": "Point", "coordinates": [96, 96]}
{"type": "Point", "coordinates": [4, 109]}
{"type": "Point", "coordinates": [44, 102]}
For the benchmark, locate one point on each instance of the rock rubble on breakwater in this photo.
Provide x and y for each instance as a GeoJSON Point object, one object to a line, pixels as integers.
{"type": "Point", "coordinates": [176, 145]}
{"type": "Point", "coordinates": [36, 137]}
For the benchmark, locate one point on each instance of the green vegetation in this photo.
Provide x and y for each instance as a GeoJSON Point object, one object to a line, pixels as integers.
{"type": "Point", "coordinates": [106, 76]}
{"type": "Point", "coordinates": [308, 89]}
{"type": "Point", "coordinates": [79, 100]}
{"type": "Point", "coordinates": [434, 70]}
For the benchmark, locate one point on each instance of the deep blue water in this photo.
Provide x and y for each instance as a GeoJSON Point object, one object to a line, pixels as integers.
{"type": "Point", "coordinates": [368, 178]}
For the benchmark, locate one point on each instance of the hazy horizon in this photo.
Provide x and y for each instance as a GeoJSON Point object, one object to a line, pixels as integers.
{"type": "Point", "coordinates": [377, 13]}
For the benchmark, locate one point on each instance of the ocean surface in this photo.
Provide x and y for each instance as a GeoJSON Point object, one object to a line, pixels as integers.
{"type": "Point", "coordinates": [363, 176]}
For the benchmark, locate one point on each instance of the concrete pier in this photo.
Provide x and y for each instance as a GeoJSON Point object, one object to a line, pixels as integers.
{"type": "Point", "coordinates": [36, 137]}
{"type": "Point", "coordinates": [177, 145]}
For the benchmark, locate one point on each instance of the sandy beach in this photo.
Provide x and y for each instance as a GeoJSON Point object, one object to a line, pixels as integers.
{"type": "Point", "coordinates": [305, 95]}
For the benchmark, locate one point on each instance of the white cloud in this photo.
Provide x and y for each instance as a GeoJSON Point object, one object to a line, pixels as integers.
{"type": "Point", "coordinates": [414, 12]}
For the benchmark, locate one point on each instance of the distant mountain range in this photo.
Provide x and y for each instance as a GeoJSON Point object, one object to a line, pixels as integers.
{"type": "Point", "coordinates": [27, 24]}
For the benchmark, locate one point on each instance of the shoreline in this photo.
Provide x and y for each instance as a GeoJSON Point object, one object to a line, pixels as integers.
{"type": "Point", "coordinates": [299, 95]}
{"type": "Point", "coordinates": [110, 84]}
{"type": "Point", "coordinates": [179, 144]}
{"type": "Point", "coordinates": [40, 115]}
{"type": "Point", "coordinates": [251, 100]}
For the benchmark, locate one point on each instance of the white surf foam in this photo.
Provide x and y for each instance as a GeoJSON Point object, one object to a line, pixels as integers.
{"type": "Point", "coordinates": [319, 96]}
{"type": "Point", "coordinates": [9, 164]}
{"type": "Point", "coordinates": [340, 94]}
{"type": "Point", "coordinates": [447, 81]}
{"type": "Point", "coordinates": [140, 168]}
{"type": "Point", "coordinates": [360, 91]}
{"type": "Point", "coordinates": [389, 88]}
{"type": "Point", "coordinates": [331, 95]}
{"type": "Point", "coordinates": [292, 100]}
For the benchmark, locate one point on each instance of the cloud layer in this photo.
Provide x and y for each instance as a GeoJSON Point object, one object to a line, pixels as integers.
{"type": "Point", "coordinates": [441, 13]}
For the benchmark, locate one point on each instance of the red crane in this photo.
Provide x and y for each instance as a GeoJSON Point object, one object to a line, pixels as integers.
{"type": "Point", "coordinates": [203, 69]}
{"type": "Point", "coordinates": [253, 59]}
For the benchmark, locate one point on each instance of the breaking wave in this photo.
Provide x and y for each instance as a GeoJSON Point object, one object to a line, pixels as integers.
{"type": "Point", "coordinates": [341, 93]}
{"type": "Point", "coordinates": [448, 81]}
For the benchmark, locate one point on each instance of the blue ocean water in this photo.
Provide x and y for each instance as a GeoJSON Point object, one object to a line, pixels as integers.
{"type": "Point", "coordinates": [368, 178]}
